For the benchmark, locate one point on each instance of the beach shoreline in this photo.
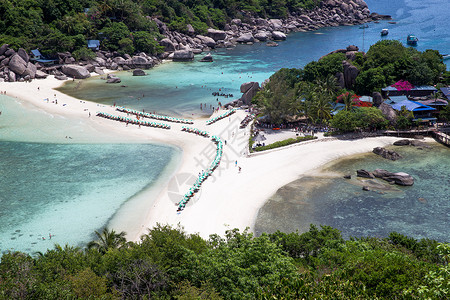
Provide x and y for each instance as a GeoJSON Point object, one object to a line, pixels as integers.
{"type": "Point", "coordinates": [229, 198]}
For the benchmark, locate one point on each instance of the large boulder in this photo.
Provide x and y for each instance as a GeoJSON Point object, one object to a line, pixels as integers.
{"type": "Point", "coordinates": [190, 29]}
{"type": "Point", "coordinates": [404, 142]}
{"type": "Point", "coordinates": [262, 36]}
{"type": "Point", "coordinates": [246, 38]}
{"type": "Point", "coordinates": [276, 24]}
{"type": "Point", "coordinates": [399, 178]}
{"type": "Point", "coordinates": [10, 52]}
{"type": "Point", "coordinates": [40, 74]}
{"type": "Point", "coordinates": [22, 53]}
{"type": "Point", "coordinates": [139, 72]}
{"type": "Point", "coordinates": [364, 174]}
{"type": "Point", "coordinates": [350, 74]}
{"type": "Point", "coordinates": [74, 71]}
{"type": "Point", "coordinates": [167, 44]}
{"type": "Point", "coordinates": [249, 90]}
{"type": "Point", "coordinates": [278, 36]}
{"type": "Point", "coordinates": [3, 49]}
{"type": "Point", "coordinates": [30, 71]}
{"type": "Point", "coordinates": [112, 78]}
{"type": "Point", "coordinates": [208, 58]}
{"type": "Point", "coordinates": [388, 154]}
{"type": "Point", "coordinates": [206, 40]}
{"type": "Point", "coordinates": [17, 64]}
{"type": "Point", "coordinates": [217, 35]}
{"type": "Point", "coordinates": [388, 112]}
{"type": "Point", "coordinates": [377, 99]}
{"type": "Point", "coordinates": [183, 55]}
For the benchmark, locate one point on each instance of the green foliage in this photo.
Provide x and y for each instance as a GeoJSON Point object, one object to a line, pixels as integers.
{"type": "Point", "coordinates": [146, 42]}
{"type": "Point", "coordinates": [445, 113]}
{"type": "Point", "coordinates": [169, 264]}
{"type": "Point", "coordinates": [83, 54]}
{"type": "Point", "coordinates": [388, 61]}
{"type": "Point", "coordinates": [277, 99]}
{"type": "Point", "coordinates": [359, 118]}
{"type": "Point", "coordinates": [108, 239]}
{"type": "Point", "coordinates": [114, 33]}
{"type": "Point", "coordinates": [328, 65]}
{"type": "Point", "coordinates": [287, 142]}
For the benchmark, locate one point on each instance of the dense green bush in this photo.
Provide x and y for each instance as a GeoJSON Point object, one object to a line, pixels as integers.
{"type": "Point", "coordinates": [286, 142]}
{"type": "Point", "coordinates": [170, 264]}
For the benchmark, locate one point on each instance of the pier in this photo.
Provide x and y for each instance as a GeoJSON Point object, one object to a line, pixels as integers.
{"type": "Point", "coordinates": [442, 137]}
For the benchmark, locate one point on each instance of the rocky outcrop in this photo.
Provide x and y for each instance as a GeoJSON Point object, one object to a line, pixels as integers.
{"type": "Point", "coordinates": [262, 36]}
{"type": "Point", "coordinates": [350, 74]}
{"type": "Point", "coordinates": [404, 142]}
{"type": "Point", "coordinates": [183, 55]}
{"type": "Point", "coordinates": [388, 112]}
{"type": "Point", "coordinates": [249, 90]}
{"type": "Point", "coordinates": [206, 40]}
{"type": "Point", "coordinates": [377, 99]}
{"type": "Point", "coordinates": [399, 178]}
{"type": "Point", "coordinates": [75, 71]}
{"type": "Point", "coordinates": [278, 36]}
{"type": "Point", "coordinates": [17, 64]}
{"type": "Point", "coordinates": [111, 78]}
{"type": "Point", "coordinates": [388, 154]}
{"type": "Point", "coordinates": [217, 35]}
{"type": "Point", "coordinates": [208, 58]}
{"type": "Point", "coordinates": [245, 38]}
{"type": "Point", "coordinates": [364, 174]}
{"type": "Point", "coordinates": [139, 72]}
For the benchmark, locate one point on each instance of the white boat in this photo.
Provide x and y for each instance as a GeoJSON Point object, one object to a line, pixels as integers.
{"type": "Point", "coordinates": [384, 31]}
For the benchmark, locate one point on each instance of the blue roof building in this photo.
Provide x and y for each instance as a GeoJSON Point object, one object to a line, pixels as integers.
{"type": "Point", "coordinates": [418, 91]}
{"type": "Point", "coordinates": [421, 111]}
{"type": "Point", "coordinates": [94, 45]}
{"type": "Point", "coordinates": [37, 56]}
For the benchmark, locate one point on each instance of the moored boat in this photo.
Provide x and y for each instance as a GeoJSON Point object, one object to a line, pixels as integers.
{"type": "Point", "coordinates": [412, 40]}
{"type": "Point", "coordinates": [384, 31]}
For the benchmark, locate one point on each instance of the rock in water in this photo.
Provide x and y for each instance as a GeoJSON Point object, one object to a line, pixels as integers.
{"type": "Point", "coordinates": [364, 174]}
{"type": "Point", "coordinates": [208, 58]}
{"type": "Point", "coordinates": [404, 142]}
{"type": "Point", "coordinates": [388, 154]}
{"type": "Point", "coordinates": [139, 72]}
{"type": "Point", "coordinates": [399, 178]}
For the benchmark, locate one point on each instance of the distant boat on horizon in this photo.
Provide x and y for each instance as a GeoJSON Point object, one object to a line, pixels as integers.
{"type": "Point", "coordinates": [412, 40]}
{"type": "Point", "coordinates": [384, 32]}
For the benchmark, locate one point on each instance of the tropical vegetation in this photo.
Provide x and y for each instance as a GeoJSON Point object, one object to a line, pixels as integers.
{"type": "Point", "coordinates": [168, 263]}
{"type": "Point", "coordinates": [313, 91]}
{"type": "Point", "coordinates": [122, 25]}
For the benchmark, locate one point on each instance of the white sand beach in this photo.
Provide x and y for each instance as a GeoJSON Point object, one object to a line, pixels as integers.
{"type": "Point", "coordinates": [229, 198]}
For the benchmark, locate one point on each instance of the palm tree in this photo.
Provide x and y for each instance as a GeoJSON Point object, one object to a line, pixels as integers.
{"type": "Point", "coordinates": [108, 239]}
{"type": "Point", "coordinates": [347, 98]}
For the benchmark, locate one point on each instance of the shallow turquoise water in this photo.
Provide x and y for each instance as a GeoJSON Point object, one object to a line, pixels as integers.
{"type": "Point", "coordinates": [69, 190]}
{"type": "Point", "coordinates": [61, 176]}
{"type": "Point", "coordinates": [420, 211]}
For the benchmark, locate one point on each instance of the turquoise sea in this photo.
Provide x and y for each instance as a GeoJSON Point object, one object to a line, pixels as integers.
{"type": "Point", "coordinates": [420, 211]}
{"type": "Point", "coordinates": [51, 184]}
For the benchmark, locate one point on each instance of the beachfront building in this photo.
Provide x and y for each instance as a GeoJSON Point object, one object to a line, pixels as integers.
{"type": "Point", "coordinates": [422, 113]}
{"type": "Point", "coordinates": [404, 88]}
{"type": "Point", "coordinates": [94, 45]}
{"type": "Point", "coordinates": [38, 57]}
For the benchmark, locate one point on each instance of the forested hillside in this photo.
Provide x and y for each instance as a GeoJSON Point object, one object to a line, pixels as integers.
{"type": "Point", "coordinates": [65, 25]}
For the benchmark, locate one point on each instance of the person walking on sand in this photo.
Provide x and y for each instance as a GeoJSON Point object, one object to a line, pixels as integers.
{"type": "Point", "coordinates": [235, 164]}
{"type": "Point", "coordinates": [240, 169]}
